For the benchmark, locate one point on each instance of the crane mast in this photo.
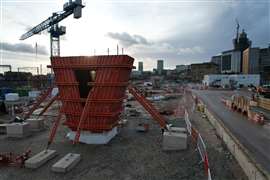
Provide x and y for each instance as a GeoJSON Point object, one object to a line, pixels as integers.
{"type": "Point", "coordinates": [51, 23]}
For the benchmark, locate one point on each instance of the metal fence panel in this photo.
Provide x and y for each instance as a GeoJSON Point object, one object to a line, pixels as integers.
{"type": "Point", "coordinates": [188, 123]}
{"type": "Point", "coordinates": [201, 147]}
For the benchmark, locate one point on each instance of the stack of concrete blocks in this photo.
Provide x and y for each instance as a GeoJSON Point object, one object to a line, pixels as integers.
{"type": "Point", "coordinates": [36, 124]}
{"type": "Point", "coordinates": [18, 130]}
{"type": "Point", "coordinates": [66, 163]}
{"type": "Point", "coordinates": [174, 139]}
{"type": "Point", "coordinates": [40, 159]}
{"type": "Point", "coordinates": [94, 138]}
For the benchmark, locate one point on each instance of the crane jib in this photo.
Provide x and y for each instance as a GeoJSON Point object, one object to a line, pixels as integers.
{"type": "Point", "coordinates": [54, 19]}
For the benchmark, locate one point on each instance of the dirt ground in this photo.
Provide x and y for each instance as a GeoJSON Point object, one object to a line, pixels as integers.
{"type": "Point", "coordinates": [130, 155]}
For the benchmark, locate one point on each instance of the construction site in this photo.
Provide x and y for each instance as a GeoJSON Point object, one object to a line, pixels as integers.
{"type": "Point", "coordinates": [94, 117]}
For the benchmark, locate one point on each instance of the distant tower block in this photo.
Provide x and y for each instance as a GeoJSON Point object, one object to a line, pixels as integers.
{"type": "Point", "coordinates": [160, 66]}
{"type": "Point", "coordinates": [140, 66]}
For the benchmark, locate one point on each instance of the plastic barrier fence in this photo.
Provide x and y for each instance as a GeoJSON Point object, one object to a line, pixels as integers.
{"type": "Point", "coordinates": [197, 138]}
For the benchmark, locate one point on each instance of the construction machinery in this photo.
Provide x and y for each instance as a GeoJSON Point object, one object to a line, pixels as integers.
{"type": "Point", "coordinates": [51, 23]}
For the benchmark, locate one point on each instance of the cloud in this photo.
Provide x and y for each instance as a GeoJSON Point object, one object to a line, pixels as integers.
{"type": "Point", "coordinates": [192, 50]}
{"type": "Point", "coordinates": [23, 48]}
{"type": "Point", "coordinates": [127, 40]}
{"type": "Point", "coordinates": [141, 48]}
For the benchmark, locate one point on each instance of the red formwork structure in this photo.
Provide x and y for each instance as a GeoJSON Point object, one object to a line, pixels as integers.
{"type": "Point", "coordinates": [94, 85]}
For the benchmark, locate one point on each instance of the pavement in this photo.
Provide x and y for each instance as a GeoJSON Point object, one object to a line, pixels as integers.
{"type": "Point", "coordinates": [255, 138]}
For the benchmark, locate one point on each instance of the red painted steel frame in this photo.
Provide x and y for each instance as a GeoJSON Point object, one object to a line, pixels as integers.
{"type": "Point", "coordinates": [48, 105]}
{"type": "Point", "coordinates": [38, 101]}
{"type": "Point", "coordinates": [101, 109]}
{"type": "Point", "coordinates": [148, 106]}
{"type": "Point", "coordinates": [54, 129]}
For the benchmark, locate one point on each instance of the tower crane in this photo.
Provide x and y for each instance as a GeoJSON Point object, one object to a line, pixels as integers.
{"type": "Point", "coordinates": [6, 66]}
{"type": "Point", "coordinates": [71, 7]}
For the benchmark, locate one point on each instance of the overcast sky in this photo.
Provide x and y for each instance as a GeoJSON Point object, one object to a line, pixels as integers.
{"type": "Point", "coordinates": [178, 31]}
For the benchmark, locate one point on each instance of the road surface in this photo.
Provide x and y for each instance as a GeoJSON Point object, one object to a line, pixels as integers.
{"type": "Point", "coordinates": [254, 137]}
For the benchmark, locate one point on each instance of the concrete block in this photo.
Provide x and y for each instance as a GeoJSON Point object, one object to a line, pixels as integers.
{"type": "Point", "coordinates": [18, 130]}
{"type": "Point", "coordinates": [174, 141]}
{"type": "Point", "coordinates": [33, 94]}
{"type": "Point", "coordinates": [94, 138]}
{"type": "Point", "coordinates": [66, 163]}
{"type": "Point", "coordinates": [3, 128]}
{"type": "Point", "coordinates": [178, 129]}
{"type": "Point", "coordinates": [36, 124]}
{"type": "Point", "coordinates": [142, 127]}
{"type": "Point", "coordinates": [40, 159]}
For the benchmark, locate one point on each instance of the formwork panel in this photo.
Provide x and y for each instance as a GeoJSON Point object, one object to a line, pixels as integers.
{"type": "Point", "coordinates": [107, 86]}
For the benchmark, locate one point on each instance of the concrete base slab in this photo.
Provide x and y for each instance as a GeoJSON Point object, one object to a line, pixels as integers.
{"type": "Point", "coordinates": [178, 129]}
{"type": "Point", "coordinates": [94, 138]}
{"type": "Point", "coordinates": [40, 159]}
{"type": "Point", "coordinates": [18, 130]}
{"type": "Point", "coordinates": [36, 124]}
{"type": "Point", "coordinates": [66, 163]}
{"type": "Point", "coordinates": [174, 141]}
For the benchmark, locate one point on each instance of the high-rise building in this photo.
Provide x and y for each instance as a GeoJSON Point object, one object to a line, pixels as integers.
{"type": "Point", "coordinates": [251, 61]}
{"type": "Point", "coordinates": [197, 71]}
{"type": "Point", "coordinates": [180, 68]}
{"type": "Point", "coordinates": [140, 66]}
{"type": "Point", "coordinates": [160, 66]}
{"type": "Point", "coordinates": [231, 61]}
{"type": "Point", "coordinates": [264, 60]}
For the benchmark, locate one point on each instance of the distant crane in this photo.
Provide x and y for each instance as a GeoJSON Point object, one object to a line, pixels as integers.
{"type": "Point", "coordinates": [237, 28]}
{"type": "Point", "coordinates": [6, 66]}
{"type": "Point", "coordinates": [71, 7]}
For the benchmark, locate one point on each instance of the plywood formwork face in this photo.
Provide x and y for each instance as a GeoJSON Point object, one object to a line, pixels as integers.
{"type": "Point", "coordinates": [97, 83]}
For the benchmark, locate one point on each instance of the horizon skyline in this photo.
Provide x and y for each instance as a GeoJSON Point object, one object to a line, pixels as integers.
{"type": "Point", "coordinates": [147, 30]}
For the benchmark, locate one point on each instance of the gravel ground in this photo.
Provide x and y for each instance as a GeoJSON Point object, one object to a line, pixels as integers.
{"type": "Point", "coordinates": [222, 163]}
{"type": "Point", "coordinates": [130, 155]}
